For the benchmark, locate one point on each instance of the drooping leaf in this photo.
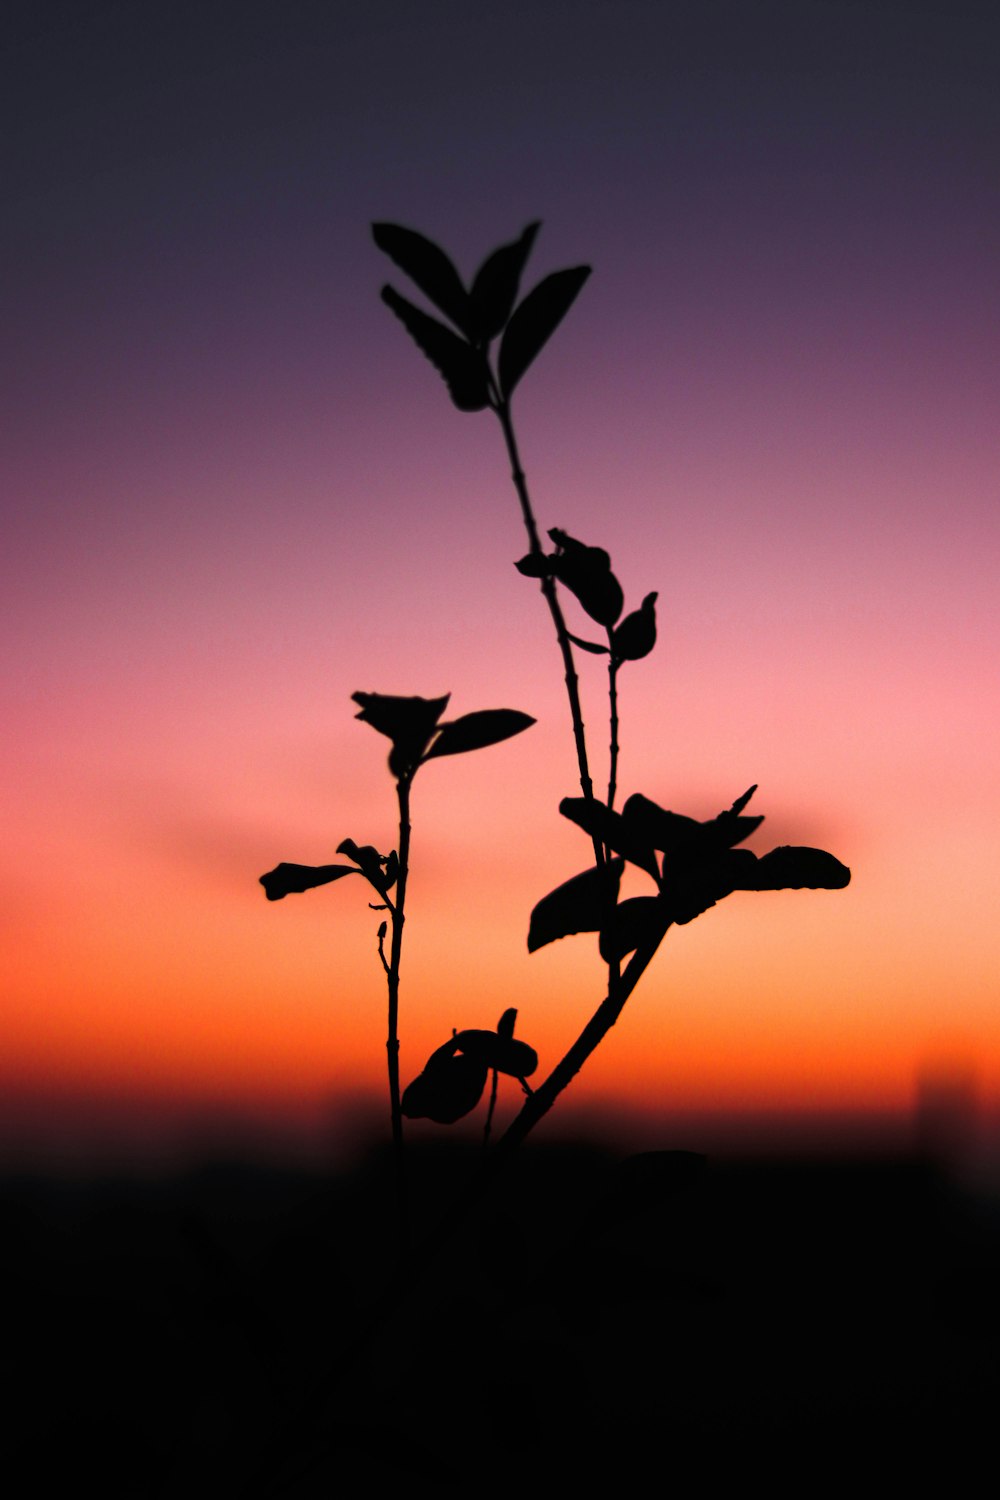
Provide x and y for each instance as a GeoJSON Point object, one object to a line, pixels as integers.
{"type": "Point", "coordinates": [790, 867]}
{"type": "Point", "coordinates": [495, 287]}
{"type": "Point", "coordinates": [502, 1053]}
{"type": "Point", "coordinates": [488, 726]}
{"type": "Point", "coordinates": [429, 267]}
{"type": "Point", "coordinates": [635, 637]}
{"type": "Point", "coordinates": [449, 1087]}
{"type": "Point", "coordinates": [462, 367]}
{"type": "Point", "coordinates": [578, 905]}
{"type": "Point", "coordinates": [631, 924]}
{"type": "Point", "coordinates": [534, 322]}
{"type": "Point", "coordinates": [586, 572]}
{"type": "Point", "coordinates": [612, 829]}
{"type": "Point", "coordinates": [287, 880]}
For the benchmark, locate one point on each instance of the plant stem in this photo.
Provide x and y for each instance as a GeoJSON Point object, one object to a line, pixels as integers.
{"type": "Point", "coordinates": [502, 410]}
{"type": "Point", "coordinates": [596, 1029]}
{"type": "Point", "coordinates": [398, 917]}
{"type": "Point", "coordinates": [613, 754]}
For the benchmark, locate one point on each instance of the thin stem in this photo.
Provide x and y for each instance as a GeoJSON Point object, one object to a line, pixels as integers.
{"type": "Point", "coordinates": [398, 915]}
{"type": "Point", "coordinates": [489, 1113]}
{"type": "Point", "coordinates": [520, 482]}
{"type": "Point", "coordinates": [613, 665]}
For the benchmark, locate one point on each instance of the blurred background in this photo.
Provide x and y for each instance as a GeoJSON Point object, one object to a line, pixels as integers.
{"type": "Point", "coordinates": [235, 493]}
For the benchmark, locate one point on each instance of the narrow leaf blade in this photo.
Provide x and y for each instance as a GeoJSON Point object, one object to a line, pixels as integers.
{"type": "Point", "coordinates": [287, 880]}
{"type": "Point", "coordinates": [428, 266]}
{"type": "Point", "coordinates": [475, 731]}
{"type": "Point", "coordinates": [496, 284]}
{"type": "Point", "coordinates": [535, 321]}
{"type": "Point", "coordinates": [462, 368]}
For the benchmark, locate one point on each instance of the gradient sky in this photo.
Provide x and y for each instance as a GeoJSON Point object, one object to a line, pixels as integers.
{"type": "Point", "coordinates": [234, 493]}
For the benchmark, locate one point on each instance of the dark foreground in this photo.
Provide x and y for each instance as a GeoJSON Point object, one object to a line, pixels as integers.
{"type": "Point", "coordinates": [659, 1322]}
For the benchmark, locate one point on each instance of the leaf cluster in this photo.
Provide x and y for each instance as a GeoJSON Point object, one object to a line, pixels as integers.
{"type": "Point", "coordinates": [692, 864]}
{"type": "Point", "coordinates": [454, 1076]}
{"type": "Point", "coordinates": [478, 314]}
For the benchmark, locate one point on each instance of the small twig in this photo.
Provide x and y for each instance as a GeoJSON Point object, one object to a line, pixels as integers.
{"type": "Point", "coordinates": [489, 1112]}
{"type": "Point", "coordinates": [381, 946]}
{"type": "Point", "coordinates": [613, 665]}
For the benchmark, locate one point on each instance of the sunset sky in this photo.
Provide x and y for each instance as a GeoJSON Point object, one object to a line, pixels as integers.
{"type": "Point", "coordinates": [234, 493]}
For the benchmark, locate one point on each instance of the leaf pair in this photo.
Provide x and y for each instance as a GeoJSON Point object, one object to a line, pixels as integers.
{"type": "Point", "coordinates": [479, 314]}
{"type": "Point", "coordinates": [417, 735]}
{"type": "Point", "coordinates": [380, 870]}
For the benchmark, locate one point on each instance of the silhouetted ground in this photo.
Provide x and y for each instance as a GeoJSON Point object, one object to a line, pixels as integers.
{"type": "Point", "coordinates": [660, 1319]}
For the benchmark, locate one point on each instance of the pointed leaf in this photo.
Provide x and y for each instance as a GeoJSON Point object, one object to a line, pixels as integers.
{"type": "Point", "coordinates": [631, 924]}
{"type": "Point", "coordinates": [612, 829]}
{"type": "Point", "coordinates": [477, 730]}
{"type": "Point", "coordinates": [429, 267]}
{"type": "Point", "coordinates": [496, 283]}
{"type": "Point", "coordinates": [287, 880]}
{"type": "Point", "coordinates": [535, 565]}
{"type": "Point", "coordinates": [462, 367]}
{"type": "Point", "coordinates": [635, 637]}
{"type": "Point", "coordinates": [793, 868]}
{"type": "Point", "coordinates": [586, 572]}
{"type": "Point", "coordinates": [534, 322]}
{"type": "Point", "coordinates": [578, 905]}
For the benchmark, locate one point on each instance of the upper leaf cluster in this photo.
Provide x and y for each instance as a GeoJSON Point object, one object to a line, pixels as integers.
{"type": "Point", "coordinates": [478, 314]}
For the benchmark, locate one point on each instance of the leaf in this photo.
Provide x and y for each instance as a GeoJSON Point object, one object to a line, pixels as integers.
{"type": "Point", "coordinates": [591, 646]}
{"type": "Point", "coordinates": [631, 924]}
{"type": "Point", "coordinates": [506, 1023]}
{"type": "Point", "coordinates": [475, 731]}
{"type": "Point", "coordinates": [635, 637]}
{"type": "Point", "coordinates": [685, 838]}
{"type": "Point", "coordinates": [534, 565]}
{"type": "Point", "coordinates": [578, 905]}
{"type": "Point", "coordinates": [287, 880]}
{"type": "Point", "coordinates": [426, 264]}
{"type": "Point", "coordinates": [612, 829]}
{"type": "Point", "coordinates": [462, 367]}
{"type": "Point", "coordinates": [495, 287]}
{"type": "Point", "coordinates": [502, 1053]}
{"type": "Point", "coordinates": [586, 572]}
{"type": "Point", "coordinates": [534, 322]}
{"type": "Point", "coordinates": [795, 868]}
{"type": "Point", "coordinates": [448, 1088]}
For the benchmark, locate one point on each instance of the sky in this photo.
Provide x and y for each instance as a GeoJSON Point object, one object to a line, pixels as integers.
{"type": "Point", "coordinates": [234, 493]}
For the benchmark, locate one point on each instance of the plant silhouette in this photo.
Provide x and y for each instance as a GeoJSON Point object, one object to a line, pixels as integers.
{"type": "Point", "coordinates": [482, 353]}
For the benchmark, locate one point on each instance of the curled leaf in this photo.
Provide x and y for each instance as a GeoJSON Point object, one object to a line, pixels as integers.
{"type": "Point", "coordinates": [462, 367]}
{"type": "Point", "coordinates": [578, 905]}
{"type": "Point", "coordinates": [287, 880]}
{"type": "Point", "coordinates": [408, 722]}
{"type": "Point", "coordinates": [502, 1053]}
{"type": "Point", "coordinates": [487, 726]}
{"type": "Point", "coordinates": [534, 322]}
{"type": "Point", "coordinates": [789, 867]}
